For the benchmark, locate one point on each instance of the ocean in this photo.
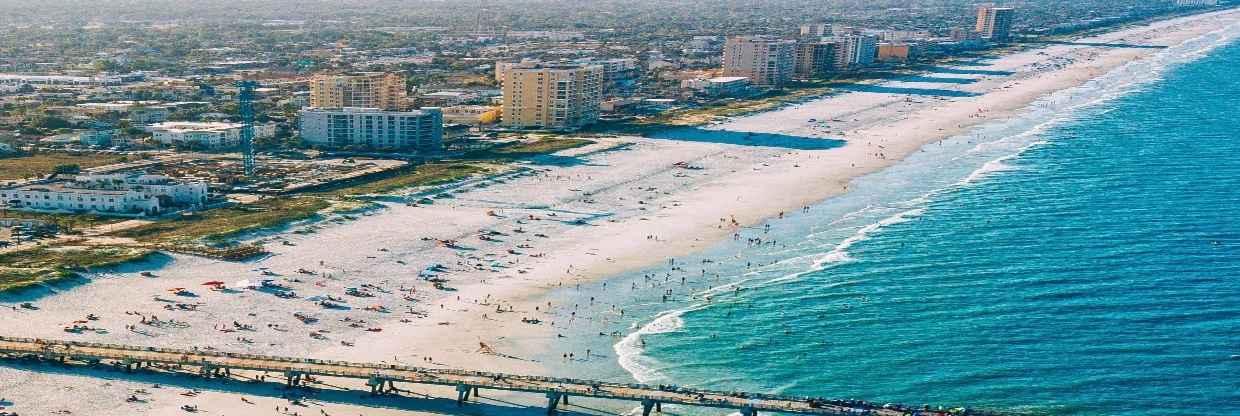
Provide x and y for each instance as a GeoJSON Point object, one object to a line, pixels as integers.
{"type": "Point", "coordinates": [1081, 259]}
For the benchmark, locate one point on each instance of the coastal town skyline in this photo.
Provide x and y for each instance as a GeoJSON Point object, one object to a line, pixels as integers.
{"type": "Point", "coordinates": [605, 207]}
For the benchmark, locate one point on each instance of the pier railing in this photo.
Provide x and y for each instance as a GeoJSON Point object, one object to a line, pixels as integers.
{"type": "Point", "coordinates": [381, 378]}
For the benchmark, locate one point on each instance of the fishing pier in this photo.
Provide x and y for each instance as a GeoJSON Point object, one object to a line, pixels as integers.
{"type": "Point", "coordinates": [383, 378]}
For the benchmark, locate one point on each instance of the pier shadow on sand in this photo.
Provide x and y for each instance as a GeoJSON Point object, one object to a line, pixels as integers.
{"type": "Point", "coordinates": [35, 293]}
{"type": "Point", "coordinates": [559, 161]}
{"type": "Point", "coordinates": [964, 71]}
{"type": "Point", "coordinates": [935, 80]}
{"type": "Point", "coordinates": [308, 397]}
{"type": "Point", "coordinates": [1100, 44]}
{"type": "Point", "coordinates": [925, 92]}
{"type": "Point", "coordinates": [973, 63]}
{"type": "Point", "coordinates": [741, 138]}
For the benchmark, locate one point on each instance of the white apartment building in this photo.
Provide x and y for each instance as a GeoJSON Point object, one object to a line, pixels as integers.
{"type": "Point", "coordinates": [815, 30]}
{"type": "Point", "coordinates": [210, 135]}
{"type": "Point", "coordinates": [420, 130]}
{"type": "Point", "coordinates": [114, 194]}
{"type": "Point", "coordinates": [855, 50]}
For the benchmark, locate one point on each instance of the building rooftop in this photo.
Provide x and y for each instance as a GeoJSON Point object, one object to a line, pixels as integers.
{"type": "Point", "coordinates": [192, 126]}
{"type": "Point", "coordinates": [366, 110]}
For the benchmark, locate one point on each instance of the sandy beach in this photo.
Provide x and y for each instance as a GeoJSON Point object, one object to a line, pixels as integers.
{"type": "Point", "coordinates": [363, 283]}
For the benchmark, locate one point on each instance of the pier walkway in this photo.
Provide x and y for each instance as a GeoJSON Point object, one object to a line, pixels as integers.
{"type": "Point", "coordinates": [382, 378]}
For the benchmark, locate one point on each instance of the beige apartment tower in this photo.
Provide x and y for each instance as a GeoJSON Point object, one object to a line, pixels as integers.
{"type": "Point", "coordinates": [814, 59]}
{"type": "Point", "coordinates": [764, 60]}
{"type": "Point", "coordinates": [367, 90]}
{"type": "Point", "coordinates": [994, 23]}
{"type": "Point", "coordinates": [551, 96]}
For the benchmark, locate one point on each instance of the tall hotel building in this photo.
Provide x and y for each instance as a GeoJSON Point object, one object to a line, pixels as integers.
{"type": "Point", "coordinates": [551, 96]}
{"type": "Point", "coordinates": [994, 23]}
{"type": "Point", "coordinates": [766, 61]}
{"type": "Point", "coordinates": [855, 50]}
{"type": "Point", "coordinates": [366, 90]}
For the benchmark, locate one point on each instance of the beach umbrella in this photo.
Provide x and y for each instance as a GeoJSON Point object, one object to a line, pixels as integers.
{"type": "Point", "coordinates": [317, 298]}
{"type": "Point", "coordinates": [213, 283]}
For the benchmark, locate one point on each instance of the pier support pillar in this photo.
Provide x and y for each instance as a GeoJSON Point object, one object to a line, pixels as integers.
{"type": "Point", "coordinates": [206, 370]}
{"type": "Point", "coordinates": [292, 378]}
{"type": "Point", "coordinates": [647, 405]}
{"type": "Point", "coordinates": [565, 398]}
{"type": "Point", "coordinates": [477, 393]}
{"type": "Point", "coordinates": [379, 385]}
{"type": "Point", "coordinates": [553, 400]}
{"type": "Point", "coordinates": [462, 394]}
{"type": "Point", "coordinates": [749, 411]}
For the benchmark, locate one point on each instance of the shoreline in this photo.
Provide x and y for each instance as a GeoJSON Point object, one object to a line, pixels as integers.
{"type": "Point", "coordinates": [760, 183]}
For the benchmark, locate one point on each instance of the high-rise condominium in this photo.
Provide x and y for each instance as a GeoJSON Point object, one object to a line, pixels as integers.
{"type": "Point", "coordinates": [551, 96]}
{"type": "Point", "coordinates": [367, 90]}
{"type": "Point", "coordinates": [766, 61]}
{"type": "Point", "coordinates": [995, 23]}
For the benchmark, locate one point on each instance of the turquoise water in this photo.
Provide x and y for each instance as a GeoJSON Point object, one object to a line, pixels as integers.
{"type": "Point", "coordinates": [1082, 259]}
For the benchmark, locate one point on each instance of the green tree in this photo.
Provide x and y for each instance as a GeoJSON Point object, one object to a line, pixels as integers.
{"type": "Point", "coordinates": [68, 169]}
{"type": "Point", "coordinates": [48, 122]}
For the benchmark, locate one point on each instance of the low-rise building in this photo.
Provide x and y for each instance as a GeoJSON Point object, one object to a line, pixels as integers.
{"type": "Point", "coordinates": [420, 130]}
{"type": "Point", "coordinates": [447, 98]}
{"type": "Point", "coordinates": [471, 114]}
{"type": "Point", "coordinates": [114, 194]}
{"type": "Point", "coordinates": [102, 80]}
{"type": "Point", "coordinates": [888, 52]}
{"type": "Point", "coordinates": [209, 135]}
{"type": "Point", "coordinates": [149, 115]}
{"type": "Point", "coordinates": [97, 137]}
{"type": "Point", "coordinates": [718, 86]}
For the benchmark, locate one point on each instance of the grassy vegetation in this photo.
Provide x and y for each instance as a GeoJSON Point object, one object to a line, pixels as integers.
{"type": "Point", "coordinates": [422, 175]}
{"type": "Point", "coordinates": [189, 232]}
{"type": "Point", "coordinates": [43, 164]}
{"type": "Point", "coordinates": [472, 164]}
{"type": "Point", "coordinates": [66, 221]}
{"type": "Point", "coordinates": [735, 108]}
{"type": "Point", "coordinates": [221, 223]}
{"type": "Point", "coordinates": [37, 265]}
{"type": "Point", "coordinates": [540, 147]}
{"type": "Point", "coordinates": [528, 148]}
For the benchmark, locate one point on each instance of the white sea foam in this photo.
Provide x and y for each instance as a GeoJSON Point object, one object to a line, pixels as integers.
{"type": "Point", "coordinates": [629, 350]}
{"type": "Point", "coordinates": [1048, 111]}
{"type": "Point", "coordinates": [840, 252]}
